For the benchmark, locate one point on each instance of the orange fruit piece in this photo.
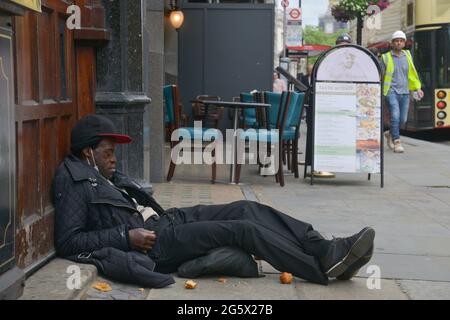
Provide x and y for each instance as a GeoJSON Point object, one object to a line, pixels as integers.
{"type": "Point", "coordinates": [102, 286]}
{"type": "Point", "coordinates": [190, 284]}
{"type": "Point", "coordinates": [286, 278]}
{"type": "Point", "coordinates": [222, 280]}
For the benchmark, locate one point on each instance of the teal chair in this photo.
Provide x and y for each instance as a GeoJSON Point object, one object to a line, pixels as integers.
{"type": "Point", "coordinates": [214, 113]}
{"type": "Point", "coordinates": [277, 115]}
{"type": "Point", "coordinates": [274, 114]}
{"type": "Point", "coordinates": [173, 112]}
{"type": "Point", "coordinates": [169, 116]}
{"type": "Point", "coordinates": [291, 132]}
{"type": "Point", "coordinates": [248, 114]}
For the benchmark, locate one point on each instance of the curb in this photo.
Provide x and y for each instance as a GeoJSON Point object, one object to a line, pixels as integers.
{"type": "Point", "coordinates": [52, 281]}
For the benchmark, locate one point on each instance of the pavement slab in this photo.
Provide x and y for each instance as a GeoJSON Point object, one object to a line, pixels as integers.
{"type": "Point", "coordinates": [209, 288]}
{"type": "Point", "coordinates": [51, 281]}
{"type": "Point", "coordinates": [355, 289]}
{"type": "Point", "coordinates": [426, 290]}
{"type": "Point", "coordinates": [120, 291]}
{"type": "Point", "coordinates": [411, 216]}
{"type": "Point", "coordinates": [270, 288]}
{"type": "Point", "coordinates": [179, 195]}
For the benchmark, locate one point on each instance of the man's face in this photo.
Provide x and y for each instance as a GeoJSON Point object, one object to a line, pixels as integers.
{"type": "Point", "coordinates": [398, 44]}
{"type": "Point", "coordinates": [105, 157]}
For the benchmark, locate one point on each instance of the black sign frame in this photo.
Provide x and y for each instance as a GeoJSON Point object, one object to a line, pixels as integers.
{"type": "Point", "coordinates": [310, 150]}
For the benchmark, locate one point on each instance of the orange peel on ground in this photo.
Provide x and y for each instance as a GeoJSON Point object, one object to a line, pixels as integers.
{"type": "Point", "coordinates": [190, 284]}
{"type": "Point", "coordinates": [102, 286]}
{"type": "Point", "coordinates": [286, 278]}
{"type": "Point", "coordinates": [222, 280]}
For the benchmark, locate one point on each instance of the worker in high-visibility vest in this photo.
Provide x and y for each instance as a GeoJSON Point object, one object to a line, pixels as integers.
{"type": "Point", "coordinates": [401, 78]}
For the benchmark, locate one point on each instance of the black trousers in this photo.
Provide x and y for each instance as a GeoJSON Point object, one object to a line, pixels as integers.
{"type": "Point", "coordinates": [289, 245]}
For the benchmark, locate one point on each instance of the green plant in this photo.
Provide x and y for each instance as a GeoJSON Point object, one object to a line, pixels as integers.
{"type": "Point", "coordinates": [346, 10]}
{"type": "Point", "coordinates": [315, 35]}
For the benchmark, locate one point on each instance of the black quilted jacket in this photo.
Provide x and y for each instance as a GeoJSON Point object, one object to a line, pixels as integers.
{"type": "Point", "coordinates": [92, 219]}
{"type": "Point", "coordinates": [90, 214]}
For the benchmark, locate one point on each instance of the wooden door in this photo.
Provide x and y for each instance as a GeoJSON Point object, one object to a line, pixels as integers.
{"type": "Point", "coordinates": [46, 109]}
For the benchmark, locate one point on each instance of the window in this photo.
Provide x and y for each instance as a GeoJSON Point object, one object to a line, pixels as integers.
{"type": "Point", "coordinates": [410, 14]}
{"type": "Point", "coordinates": [422, 53]}
{"type": "Point", "coordinates": [442, 58]}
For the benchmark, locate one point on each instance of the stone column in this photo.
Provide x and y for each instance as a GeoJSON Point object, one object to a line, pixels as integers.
{"type": "Point", "coordinates": [120, 80]}
{"type": "Point", "coordinates": [154, 69]}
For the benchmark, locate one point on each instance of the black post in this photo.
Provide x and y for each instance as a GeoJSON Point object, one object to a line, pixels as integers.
{"type": "Point", "coordinates": [359, 27]}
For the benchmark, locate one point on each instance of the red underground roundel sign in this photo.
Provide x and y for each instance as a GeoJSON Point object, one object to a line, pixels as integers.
{"type": "Point", "coordinates": [295, 13]}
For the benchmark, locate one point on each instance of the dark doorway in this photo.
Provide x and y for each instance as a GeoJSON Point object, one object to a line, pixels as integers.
{"type": "Point", "coordinates": [225, 49]}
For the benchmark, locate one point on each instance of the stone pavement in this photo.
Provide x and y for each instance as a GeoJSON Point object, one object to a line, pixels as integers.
{"type": "Point", "coordinates": [411, 216]}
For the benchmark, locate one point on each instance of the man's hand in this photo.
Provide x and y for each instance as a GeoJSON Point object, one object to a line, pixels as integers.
{"type": "Point", "coordinates": [142, 240]}
{"type": "Point", "coordinates": [421, 94]}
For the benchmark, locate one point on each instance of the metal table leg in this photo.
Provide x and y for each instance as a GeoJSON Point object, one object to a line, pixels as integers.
{"type": "Point", "coordinates": [233, 146]}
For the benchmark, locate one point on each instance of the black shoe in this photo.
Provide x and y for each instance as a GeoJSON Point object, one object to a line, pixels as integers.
{"type": "Point", "coordinates": [344, 252]}
{"type": "Point", "coordinates": [354, 268]}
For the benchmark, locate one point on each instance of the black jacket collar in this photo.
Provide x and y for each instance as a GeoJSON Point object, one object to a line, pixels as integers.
{"type": "Point", "coordinates": [80, 171]}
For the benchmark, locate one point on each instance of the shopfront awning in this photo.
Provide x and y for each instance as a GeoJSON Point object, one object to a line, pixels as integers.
{"type": "Point", "coordinates": [309, 49]}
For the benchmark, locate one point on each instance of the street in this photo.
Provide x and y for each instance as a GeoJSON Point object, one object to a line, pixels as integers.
{"type": "Point", "coordinates": [410, 215]}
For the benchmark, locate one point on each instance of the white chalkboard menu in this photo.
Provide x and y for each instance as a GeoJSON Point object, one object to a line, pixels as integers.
{"type": "Point", "coordinates": [347, 112]}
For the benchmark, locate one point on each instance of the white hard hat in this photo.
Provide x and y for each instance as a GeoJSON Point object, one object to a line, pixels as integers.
{"type": "Point", "coordinates": [399, 35]}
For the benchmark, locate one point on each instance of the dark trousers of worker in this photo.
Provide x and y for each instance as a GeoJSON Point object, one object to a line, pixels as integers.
{"type": "Point", "coordinates": [289, 245]}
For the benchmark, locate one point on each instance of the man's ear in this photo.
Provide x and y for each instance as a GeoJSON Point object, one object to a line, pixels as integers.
{"type": "Point", "coordinates": [86, 153]}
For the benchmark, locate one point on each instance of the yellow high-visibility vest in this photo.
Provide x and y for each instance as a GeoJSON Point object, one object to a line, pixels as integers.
{"type": "Point", "coordinates": [413, 77]}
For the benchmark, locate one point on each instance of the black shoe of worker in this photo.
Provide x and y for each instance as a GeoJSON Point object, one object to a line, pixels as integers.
{"type": "Point", "coordinates": [354, 268]}
{"type": "Point", "coordinates": [344, 252]}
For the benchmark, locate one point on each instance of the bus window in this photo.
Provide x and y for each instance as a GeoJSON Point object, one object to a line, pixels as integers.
{"type": "Point", "coordinates": [422, 53]}
{"type": "Point", "coordinates": [442, 58]}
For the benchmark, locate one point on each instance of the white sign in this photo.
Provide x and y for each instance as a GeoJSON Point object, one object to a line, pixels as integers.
{"type": "Point", "coordinates": [347, 127]}
{"type": "Point", "coordinates": [294, 35]}
{"type": "Point", "coordinates": [348, 64]}
{"type": "Point", "coordinates": [294, 31]}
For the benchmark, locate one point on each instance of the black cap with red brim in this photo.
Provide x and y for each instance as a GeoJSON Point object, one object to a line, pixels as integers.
{"type": "Point", "coordinates": [89, 128]}
{"type": "Point", "coordinates": [119, 138]}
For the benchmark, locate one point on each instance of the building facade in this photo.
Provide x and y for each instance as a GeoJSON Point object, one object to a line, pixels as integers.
{"type": "Point", "coordinates": [51, 74]}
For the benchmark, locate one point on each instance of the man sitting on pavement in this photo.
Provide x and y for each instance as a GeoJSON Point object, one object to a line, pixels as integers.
{"type": "Point", "coordinates": [98, 207]}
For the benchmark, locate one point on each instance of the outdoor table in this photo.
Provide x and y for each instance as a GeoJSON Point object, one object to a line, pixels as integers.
{"type": "Point", "coordinates": [236, 106]}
